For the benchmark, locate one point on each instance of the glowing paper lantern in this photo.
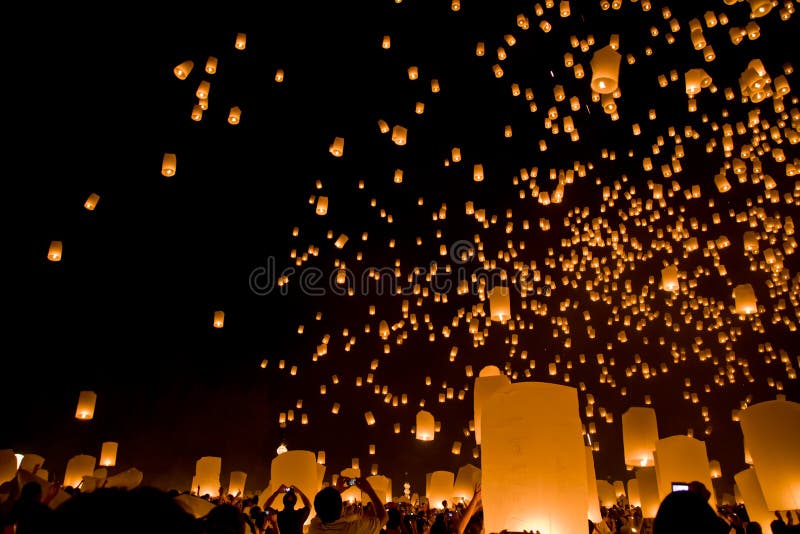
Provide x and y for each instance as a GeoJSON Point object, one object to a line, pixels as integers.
{"type": "Point", "coordinates": [771, 431]}
{"type": "Point", "coordinates": [206, 472]}
{"type": "Point", "coordinates": [86, 404]}
{"type": "Point", "coordinates": [745, 299]}
{"type": "Point", "coordinates": [489, 380]}
{"type": "Point", "coordinates": [91, 202]}
{"type": "Point", "coordinates": [55, 251]}
{"type": "Point", "coordinates": [639, 436]}
{"type": "Point", "coordinates": [592, 495]}
{"type": "Point", "coordinates": [648, 491]}
{"type": "Point", "coordinates": [548, 475]}
{"type": "Point", "coordinates": [108, 453]}
{"type": "Point", "coordinates": [467, 479]}
{"type": "Point", "coordinates": [29, 463]}
{"type": "Point", "coordinates": [477, 172]}
{"type": "Point", "coordinates": [669, 278]}
{"type": "Point", "coordinates": [78, 467]}
{"type": "Point", "coordinates": [759, 8]}
{"type": "Point", "coordinates": [681, 459]}
{"type": "Point", "coordinates": [236, 484]}
{"type": "Point", "coordinates": [241, 41]}
{"type": "Point", "coordinates": [235, 115]}
{"type": "Point", "coordinates": [605, 492]}
{"type": "Point", "coordinates": [633, 493]}
{"type": "Point", "coordinates": [440, 488]}
{"type": "Point", "coordinates": [211, 65]}
{"type": "Point", "coordinates": [425, 426]}
{"type": "Point", "coordinates": [219, 319]}
{"type": "Point", "coordinates": [752, 496]}
{"type": "Point", "coordinates": [370, 418]}
{"type": "Point", "coordinates": [399, 135]}
{"type": "Point", "coordinates": [382, 486]}
{"type": "Point", "coordinates": [714, 469]}
{"type": "Point", "coordinates": [337, 147]}
{"type": "Point", "coordinates": [605, 70]}
{"type": "Point", "coordinates": [182, 70]}
{"type": "Point", "coordinates": [299, 468]}
{"type": "Point", "coordinates": [322, 206]}
{"type": "Point", "coordinates": [168, 164]}
{"type": "Point", "coordinates": [500, 303]}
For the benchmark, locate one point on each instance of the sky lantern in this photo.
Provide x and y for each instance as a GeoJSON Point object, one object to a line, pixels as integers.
{"type": "Point", "coordinates": [337, 147]}
{"type": "Point", "coordinates": [296, 468]}
{"type": "Point", "coordinates": [489, 380]}
{"type": "Point", "coordinates": [751, 494]}
{"type": "Point", "coordinates": [648, 491]}
{"type": "Point", "coordinates": [108, 453]}
{"type": "Point", "coordinates": [183, 69]}
{"type": "Point", "coordinates": [467, 479]}
{"type": "Point", "coordinates": [86, 404]}
{"type": "Point", "coordinates": [219, 319]}
{"type": "Point", "coordinates": [440, 488]}
{"type": "Point", "coordinates": [714, 469]}
{"type": "Point", "coordinates": [639, 436]}
{"type": "Point", "coordinates": [591, 486]}
{"type": "Point", "coordinates": [605, 70]}
{"type": "Point", "coordinates": [771, 431]}
{"type": "Point", "coordinates": [241, 41]}
{"type": "Point", "coordinates": [681, 459]}
{"type": "Point", "coordinates": [500, 303]}
{"type": "Point", "coordinates": [425, 426]}
{"type": "Point", "coordinates": [78, 467]}
{"type": "Point", "coordinates": [759, 8]}
{"type": "Point", "coordinates": [369, 418]}
{"type": "Point", "coordinates": [322, 205]}
{"type": "Point", "coordinates": [477, 172]}
{"type": "Point", "coordinates": [211, 65]}
{"type": "Point", "coordinates": [29, 463]}
{"type": "Point", "coordinates": [745, 299]}
{"type": "Point", "coordinates": [168, 165]}
{"type": "Point", "coordinates": [399, 135]}
{"type": "Point", "coordinates": [236, 483]}
{"type": "Point", "coordinates": [548, 475]}
{"type": "Point", "coordinates": [669, 278]}
{"type": "Point", "coordinates": [55, 251]}
{"type": "Point", "coordinates": [279, 75]}
{"type": "Point", "coordinates": [235, 115]}
{"type": "Point", "coordinates": [206, 476]}
{"type": "Point", "coordinates": [91, 202]}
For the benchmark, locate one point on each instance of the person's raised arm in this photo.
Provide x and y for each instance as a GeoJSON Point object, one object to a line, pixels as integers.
{"type": "Point", "coordinates": [271, 498]}
{"type": "Point", "coordinates": [303, 496]}
{"type": "Point", "coordinates": [380, 512]}
{"type": "Point", "coordinates": [472, 507]}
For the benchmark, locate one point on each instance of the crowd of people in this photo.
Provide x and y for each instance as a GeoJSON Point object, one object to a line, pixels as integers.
{"type": "Point", "coordinates": [28, 509]}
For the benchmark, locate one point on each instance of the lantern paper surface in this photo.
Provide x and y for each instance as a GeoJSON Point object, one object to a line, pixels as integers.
{"type": "Point", "coordinates": [440, 488]}
{"type": "Point", "coordinates": [771, 431]}
{"type": "Point", "coordinates": [236, 484]}
{"type": "Point", "coordinates": [648, 491]}
{"type": "Point", "coordinates": [634, 498]}
{"type": "Point", "coordinates": [78, 467]}
{"type": "Point", "coordinates": [489, 380]}
{"type": "Point", "coordinates": [681, 459]}
{"type": "Point", "coordinates": [747, 481]}
{"type": "Point", "coordinates": [30, 461]}
{"type": "Point", "coordinates": [639, 436]}
{"type": "Point", "coordinates": [605, 492]}
{"type": "Point", "coordinates": [549, 475]}
{"type": "Point", "coordinates": [298, 468]}
{"type": "Point", "coordinates": [108, 453]}
{"type": "Point", "coordinates": [467, 478]}
{"type": "Point", "coordinates": [207, 470]}
{"type": "Point", "coordinates": [591, 487]}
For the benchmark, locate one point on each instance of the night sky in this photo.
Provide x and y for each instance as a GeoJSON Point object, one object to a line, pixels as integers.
{"type": "Point", "coordinates": [128, 310]}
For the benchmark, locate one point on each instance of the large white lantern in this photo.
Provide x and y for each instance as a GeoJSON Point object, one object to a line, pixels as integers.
{"type": "Point", "coordinates": [426, 425]}
{"type": "Point", "coordinates": [296, 468]}
{"type": "Point", "coordinates": [518, 466]}
{"type": "Point", "coordinates": [681, 459]}
{"type": "Point", "coordinates": [639, 436]}
{"type": "Point", "coordinates": [489, 380]}
{"type": "Point", "coordinates": [440, 488]}
{"type": "Point", "coordinates": [467, 479]}
{"type": "Point", "coordinates": [206, 472]}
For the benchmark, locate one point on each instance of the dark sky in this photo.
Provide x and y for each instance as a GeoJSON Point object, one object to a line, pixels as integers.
{"type": "Point", "coordinates": [128, 311]}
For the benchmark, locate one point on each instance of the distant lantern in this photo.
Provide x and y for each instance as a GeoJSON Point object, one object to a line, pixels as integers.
{"type": "Point", "coordinates": [714, 469]}
{"type": "Point", "coordinates": [477, 172]}
{"type": "Point", "coordinates": [219, 319]}
{"type": "Point", "coordinates": [669, 278]}
{"type": "Point", "coordinates": [500, 303]}
{"type": "Point", "coordinates": [722, 183]}
{"type": "Point", "coordinates": [322, 206]}
{"type": "Point", "coordinates": [235, 115]}
{"type": "Point", "coordinates": [91, 202]}
{"type": "Point", "coordinates": [425, 426]}
{"type": "Point", "coordinates": [759, 8]}
{"type": "Point", "coordinates": [279, 75]}
{"type": "Point", "coordinates": [182, 70]}
{"type": "Point", "coordinates": [211, 65]}
{"type": "Point", "coordinates": [78, 467]}
{"type": "Point", "coordinates": [168, 164]}
{"type": "Point", "coordinates": [399, 135]}
{"type": "Point", "coordinates": [241, 41]}
{"type": "Point", "coordinates": [340, 241]}
{"type": "Point", "coordinates": [108, 453]}
{"type": "Point", "coordinates": [605, 70]}
{"type": "Point", "coordinates": [563, 8]}
{"type": "Point", "coordinates": [337, 147]}
{"type": "Point", "coordinates": [386, 43]}
{"type": "Point", "coordinates": [55, 251]}
{"type": "Point", "coordinates": [86, 404]}
{"type": "Point", "coordinates": [413, 73]}
{"type": "Point", "coordinates": [639, 436]}
{"type": "Point", "coordinates": [203, 89]}
{"type": "Point", "coordinates": [745, 299]}
{"type": "Point", "coordinates": [369, 418]}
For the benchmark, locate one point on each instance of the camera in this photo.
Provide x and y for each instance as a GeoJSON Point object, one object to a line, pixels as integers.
{"type": "Point", "coordinates": [680, 486]}
{"type": "Point", "coordinates": [351, 481]}
{"type": "Point", "coordinates": [287, 490]}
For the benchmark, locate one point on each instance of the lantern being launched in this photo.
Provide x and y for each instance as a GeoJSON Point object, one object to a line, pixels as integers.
{"type": "Point", "coordinates": [605, 70]}
{"type": "Point", "coordinates": [489, 380]}
{"type": "Point", "coordinates": [108, 453]}
{"type": "Point", "coordinates": [426, 426]}
{"type": "Point", "coordinates": [548, 475]}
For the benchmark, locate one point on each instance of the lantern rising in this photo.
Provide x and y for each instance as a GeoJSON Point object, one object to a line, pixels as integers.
{"type": "Point", "coordinates": [605, 70]}
{"type": "Point", "coordinates": [86, 403]}
{"type": "Point", "coordinates": [108, 453]}
{"type": "Point", "coordinates": [639, 436]}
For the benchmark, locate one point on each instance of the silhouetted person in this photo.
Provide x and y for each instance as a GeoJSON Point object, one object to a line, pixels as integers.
{"type": "Point", "coordinates": [290, 521]}
{"type": "Point", "coordinates": [224, 518]}
{"type": "Point", "coordinates": [328, 505]}
{"type": "Point", "coordinates": [688, 512]}
{"type": "Point", "coordinates": [29, 514]}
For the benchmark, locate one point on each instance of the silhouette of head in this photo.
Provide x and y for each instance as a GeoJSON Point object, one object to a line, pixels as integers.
{"type": "Point", "coordinates": [290, 499]}
{"type": "Point", "coordinates": [328, 504]}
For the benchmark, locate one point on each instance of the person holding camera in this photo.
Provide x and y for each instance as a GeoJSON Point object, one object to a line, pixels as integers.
{"type": "Point", "coordinates": [328, 506]}
{"type": "Point", "coordinates": [290, 521]}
